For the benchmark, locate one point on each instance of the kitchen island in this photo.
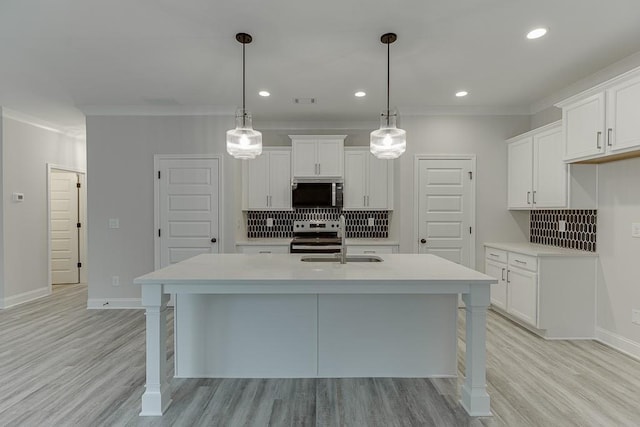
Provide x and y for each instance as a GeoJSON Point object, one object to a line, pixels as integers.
{"type": "Point", "coordinates": [271, 315]}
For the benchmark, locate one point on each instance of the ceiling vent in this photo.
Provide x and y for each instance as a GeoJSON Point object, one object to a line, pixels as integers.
{"type": "Point", "coordinates": [304, 100]}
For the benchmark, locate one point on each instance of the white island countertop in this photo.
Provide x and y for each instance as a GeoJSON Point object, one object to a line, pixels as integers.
{"type": "Point", "coordinates": [262, 269]}
{"type": "Point", "coordinates": [540, 250]}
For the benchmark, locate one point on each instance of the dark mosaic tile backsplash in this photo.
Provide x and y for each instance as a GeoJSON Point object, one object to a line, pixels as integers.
{"type": "Point", "coordinates": [580, 233]}
{"type": "Point", "coordinates": [356, 222]}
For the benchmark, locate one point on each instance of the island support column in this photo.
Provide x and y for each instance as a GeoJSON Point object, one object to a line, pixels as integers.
{"type": "Point", "coordinates": [156, 397]}
{"type": "Point", "coordinates": [474, 390]}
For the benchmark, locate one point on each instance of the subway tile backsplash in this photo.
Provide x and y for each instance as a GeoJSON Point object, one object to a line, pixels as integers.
{"type": "Point", "coordinates": [356, 221]}
{"type": "Point", "coordinates": [580, 228]}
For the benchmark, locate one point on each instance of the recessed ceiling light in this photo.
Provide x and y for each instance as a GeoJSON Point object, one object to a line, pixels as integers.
{"type": "Point", "coordinates": [537, 33]}
{"type": "Point", "coordinates": [462, 93]}
{"type": "Point", "coordinates": [360, 94]}
{"type": "Point", "coordinates": [263, 93]}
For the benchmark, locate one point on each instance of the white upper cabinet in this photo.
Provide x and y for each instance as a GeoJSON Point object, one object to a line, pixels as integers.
{"type": "Point", "coordinates": [603, 123]}
{"type": "Point", "coordinates": [537, 176]}
{"type": "Point", "coordinates": [368, 181]}
{"type": "Point", "coordinates": [267, 180]}
{"type": "Point", "coordinates": [318, 156]}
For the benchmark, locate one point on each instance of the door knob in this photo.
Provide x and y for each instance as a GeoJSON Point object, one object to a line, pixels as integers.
{"type": "Point", "coordinates": [214, 240]}
{"type": "Point", "coordinates": [423, 241]}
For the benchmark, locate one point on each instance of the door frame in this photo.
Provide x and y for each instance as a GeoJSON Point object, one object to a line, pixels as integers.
{"type": "Point", "coordinates": [416, 198]}
{"type": "Point", "coordinates": [82, 203]}
{"type": "Point", "coordinates": [156, 198]}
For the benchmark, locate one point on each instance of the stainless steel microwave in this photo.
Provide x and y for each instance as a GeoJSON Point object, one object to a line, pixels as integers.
{"type": "Point", "coordinates": [316, 195]}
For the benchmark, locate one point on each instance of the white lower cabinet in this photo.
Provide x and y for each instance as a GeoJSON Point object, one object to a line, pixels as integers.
{"type": "Point", "coordinates": [262, 249]}
{"type": "Point", "coordinates": [552, 293]}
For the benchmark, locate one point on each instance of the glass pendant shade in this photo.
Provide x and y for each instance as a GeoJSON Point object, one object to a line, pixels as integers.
{"type": "Point", "coordinates": [388, 142]}
{"type": "Point", "coordinates": [244, 142]}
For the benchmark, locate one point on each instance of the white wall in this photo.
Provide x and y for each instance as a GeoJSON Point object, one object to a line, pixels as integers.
{"type": "Point", "coordinates": [2, 204]}
{"type": "Point", "coordinates": [27, 148]}
{"type": "Point", "coordinates": [120, 178]}
{"type": "Point", "coordinates": [619, 282]}
{"type": "Point", "coordinates": [483, 136]}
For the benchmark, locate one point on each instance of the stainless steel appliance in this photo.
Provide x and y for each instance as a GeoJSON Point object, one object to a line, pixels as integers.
{"type": "Point", "coordinates": [315, 237]}
{"type": "Point", "coordinates": [316, 194]}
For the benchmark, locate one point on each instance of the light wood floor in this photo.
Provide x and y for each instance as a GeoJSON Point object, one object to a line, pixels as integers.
{"type": "Point", "coordinates": [61, 364]}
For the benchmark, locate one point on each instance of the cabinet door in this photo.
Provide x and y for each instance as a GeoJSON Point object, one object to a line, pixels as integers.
{"type": "Point", "coordinates": [371, 250]}
{"type": "Point", "coordinates": [257, 185]}
{"type": "Point", "coordinates": [549, 171]}
{"type": "Point", "coordinates": [498, 290]}
{"type": "Point", "coordinates": [520, 174]}
{"type": "Point", "coordinates": [355, 166]}
{"type": "Point", "coordinates": [584, 127]}
{"type": "Point", "coordinates": [378, 179]}
{"type": "Point", "coordinates": [523, 295]}
{"type": "Point", "coordinates": [330, 158]}
{"type": "Point", "coordinates": [266, 249]}
{"type": "Point", "coordinates": [304, 158]}
{"type": "Point", "coordinates": [623, 121]}
{"type": "Point", "coordinates": [280, 180]}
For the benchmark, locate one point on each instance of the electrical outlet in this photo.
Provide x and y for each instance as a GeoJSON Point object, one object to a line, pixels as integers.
{"type": "Point", "coordinates": [269, 222]}
{"type": "Point", "coordinates": [562, 226]}
{"type": "Point", "coordinates": [371, 222]}
{"type": "Point", "coordinates": [115, 280]}
{"type": "Point", "coordinates": [635, 317]}
{"type": "Point", "coordinates": [635, 229]}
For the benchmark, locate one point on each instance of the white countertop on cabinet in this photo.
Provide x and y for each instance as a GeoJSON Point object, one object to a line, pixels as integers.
{"type": "Point", "coordinates": [540, 250]}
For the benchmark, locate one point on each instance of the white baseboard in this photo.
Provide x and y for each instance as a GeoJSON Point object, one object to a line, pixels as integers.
{"type": "Point", "coordinates": [618, 342]}
{"type": "Point", "coordinates": [24, 297]}
{"type": "Point", "coordinates": [114, 303]}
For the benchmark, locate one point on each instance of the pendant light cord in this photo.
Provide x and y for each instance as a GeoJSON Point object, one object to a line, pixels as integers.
{"type": "Point", "coordinates": [244, 111]}
{"type": "Point", "coordinates": [388, 78]}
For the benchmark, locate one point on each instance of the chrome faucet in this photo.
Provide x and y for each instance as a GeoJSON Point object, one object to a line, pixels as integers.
{"type": "Point", "coordinates": [343, 245]}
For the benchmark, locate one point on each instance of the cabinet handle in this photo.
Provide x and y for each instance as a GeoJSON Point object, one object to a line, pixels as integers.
{"type": "Point", "coordinates": [520, 262]}
{"type": "Point", "coordinates": [508, 281]}
{"type": "Point", "coordinates": [528, 195]}
{"type": "Point", "coordinates": [598, 135]}
{"type": "Point", "coordinates": [318, 168]}
{"type": "Point", "coordinates": [369, 252]}
{"type": "Point", "coordinates": [609, 136]}
{"type": "Point", "coordinates": [267, 200]}
{"type": "Point", "coordinates": [494, 255]}
{"type": "Point", "coordinates": [534, 197]}
{"type": "Point", "coordinates": [264, 252]}
{"type": "Point", "coordinates": [367, 200]}
{"type": "Point", "coordinates": [503, 273]}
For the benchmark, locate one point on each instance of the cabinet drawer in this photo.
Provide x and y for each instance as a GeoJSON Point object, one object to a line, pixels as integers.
{"type": "Point", "coordinates": [365, 250]}
{"type": "Point", "coordinates": [267, 249]}
{"type": "Point", "coordinates": [495, 254]}
{"type": "Point", "coordinates": [525, 262]}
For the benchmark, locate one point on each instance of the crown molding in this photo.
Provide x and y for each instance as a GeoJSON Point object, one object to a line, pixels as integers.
{"type": "Point", "coordinates": [155, 110]}
{"type": "Point", "coordinates": [459, 110]}
{"type": "Point", "coordinates": [42, 124]}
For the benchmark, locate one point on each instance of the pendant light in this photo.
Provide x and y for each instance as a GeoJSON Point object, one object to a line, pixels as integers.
{"type": "Point", "coordinates": [388, 142]}
{"type": "Point", "coordinates": [244, 142]}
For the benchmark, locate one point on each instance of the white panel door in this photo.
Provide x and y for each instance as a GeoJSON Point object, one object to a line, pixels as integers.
{"type": "Point", "coordinates": [188, 208]}
{"type": "Point", "coordinates": [584, 124]}
{"type": "Point", "coordinates": [549, 171]}
{"type": "Point", "coordinates": [355, 169]}
{"type": "Point", "coordinates": [519, 173]}
{"type": "Point", "coordinates": [280, 180]}
{"type": "Point", "coordinates": [64, 230]}
{"type": "Point", "coordinates": [623, 117]}
{"type": "Point", "coordinates": [444, 209]}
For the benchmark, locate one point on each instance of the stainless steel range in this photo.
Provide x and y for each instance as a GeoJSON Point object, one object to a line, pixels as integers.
{"type": "Point", "coordinates": [315, 237]}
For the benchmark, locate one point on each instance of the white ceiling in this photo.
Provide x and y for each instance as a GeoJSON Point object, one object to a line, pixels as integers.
{"type": "Point", "coordinates": [61, 58]}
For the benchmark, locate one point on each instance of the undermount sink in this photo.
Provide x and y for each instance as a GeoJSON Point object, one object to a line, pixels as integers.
{"type": "Point", "coordinates": [350, 258]}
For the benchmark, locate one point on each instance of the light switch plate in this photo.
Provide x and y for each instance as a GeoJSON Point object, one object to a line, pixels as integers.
{"type": "Point", "coordinates": [269, 222]}
{"type": "Point", "coordinates": [562, 226]}
{"type": "Point", "coordinates": [114, 223]}
{"type": "Point", "coordinates": [635, 229]}
{"type": "Point", "coordinates": [371, 222]}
